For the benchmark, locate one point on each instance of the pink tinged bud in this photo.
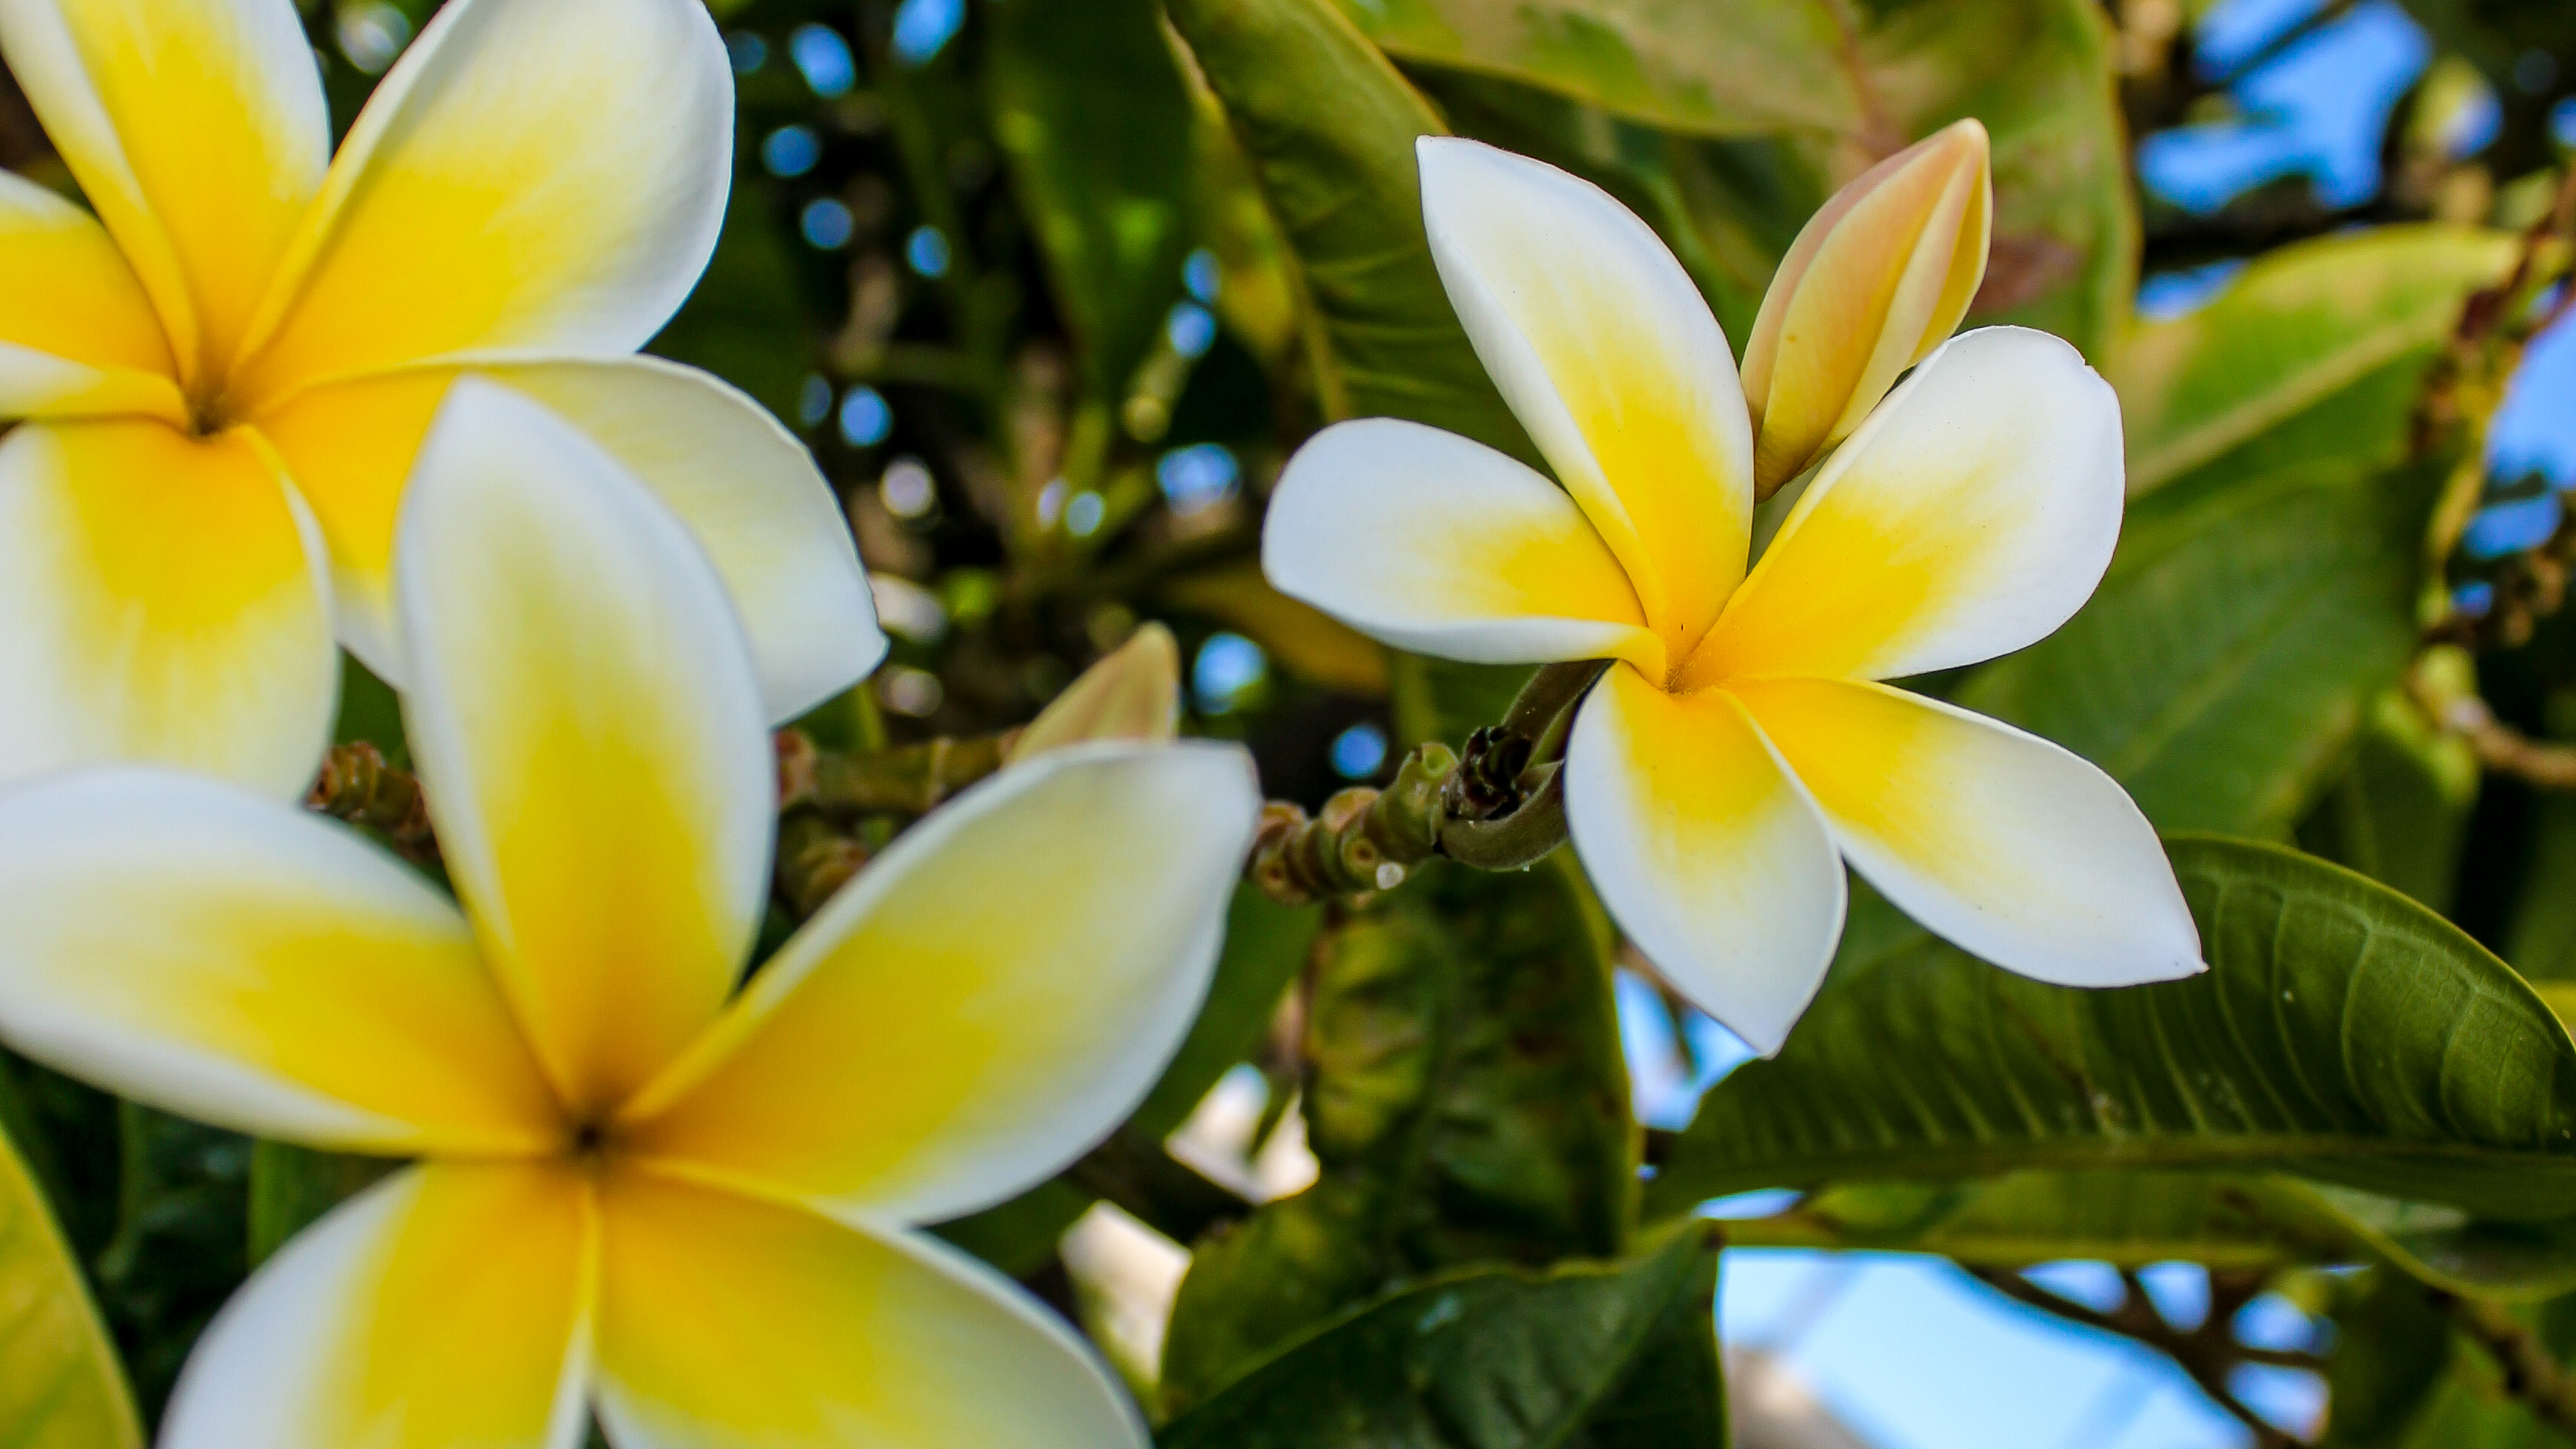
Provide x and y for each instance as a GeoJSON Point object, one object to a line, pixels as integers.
{"type": "Point", "coordinates": [1132, 693]}
{"type": "Point", "coordinates": [1877, 280]}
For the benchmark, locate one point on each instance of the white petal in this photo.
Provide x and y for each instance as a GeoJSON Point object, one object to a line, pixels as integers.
{"type": "Point", "coordinates": [987, 1000]}
{"type": "Point", "coordinates": [1706, 851]}
{"type": "Point", "coordinates": [198, 130]}
{"type": "Point", "coordinates": [1608, 355]}
{"type": "Point", "coordinates": [728, 1321]}
{"type": "Point", "coordinates": [1434, 543]}
{"type": "Point", "coordinates": [741, 482]}
{"type": "Point", "coordinates": [237, 960]}
{"type": "Point", "coordinates": [2000, 842]}
{"type": "Point", "coordinates": [590, 735]}
{"type": "Point", "coordinates": [162, 598]}
{"type": "Point", "coordinates": [1970, 516]}
{"type": "Point", "coordinates": [442, 1308]}
{"type": "Point", "coordinates": [78, 337]}
{"type": "Point", "coordinates": [537, 175]}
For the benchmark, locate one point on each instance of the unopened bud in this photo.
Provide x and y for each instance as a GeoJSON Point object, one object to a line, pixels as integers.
{"type": "Point", "coordinates": [1133, 693]}
{"type": "Point", "coordinates": [1876, 281]}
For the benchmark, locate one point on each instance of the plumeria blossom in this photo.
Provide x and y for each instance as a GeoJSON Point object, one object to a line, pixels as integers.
{"type": "Point", "coordinates": [226, 371]}
{"type": "Point", "coordinates": [1744, 739]}
{"type": "Point", "coordinates": [639, 1190]}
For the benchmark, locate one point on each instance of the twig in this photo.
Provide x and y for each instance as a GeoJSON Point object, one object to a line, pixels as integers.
{"type": "Point", "coordinates": [358, 786]}
{"type": "Point", "coordinates": [2207, 1353]}
{"type": "Point", "coordinates": [2531, 1372]}
{"type": "Point", "coordinates": [912, 780]}
{"type": "Point", "coordinates": [2499, 746]}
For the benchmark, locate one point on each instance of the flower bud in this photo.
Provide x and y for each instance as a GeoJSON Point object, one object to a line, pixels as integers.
{"type": "Point", "coordinates": [1876, 281]}
{"type": "Point", "coordinates": [1132, 693]}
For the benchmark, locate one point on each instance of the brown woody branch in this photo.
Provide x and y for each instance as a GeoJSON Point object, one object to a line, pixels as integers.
{"type": "Point", "coordinates": [2207, 1353]}
{"type": "Point", "coordinates": [2531, 1373]}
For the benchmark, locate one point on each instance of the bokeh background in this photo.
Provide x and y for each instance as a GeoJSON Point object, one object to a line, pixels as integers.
{"type": "Point", "coordinates": [881, 286]}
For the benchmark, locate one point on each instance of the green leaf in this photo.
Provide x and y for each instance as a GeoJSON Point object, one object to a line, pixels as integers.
{"type": "Point", "coordinates": [2400, 812]}
{"type": "Point", "coordinates": [2342, 1032]}
{"type": "Point", "coordinates": [2134, 1217]}
{"type": "Point", "coordinates": [2392, 1346]}
{"type": "Point", "coordinates": [1465, 1098]}
{"type": "Point", "coordinates": [1329, 127]}
{"type": "Point", "coordinates": [291, 1187]}
{"type": "Point", "coordinates": [1837, 85]}
{"type": "Point", "coordinates": [1584, 1356]}
{"type": "Point", "coordinates": [2541, 940]}
{"type": "Point", "coordinates": [2040, 75]}
{"type": "Point", "coordinates": [2123, 1217]}
{"type": "Point", "coordinates": [746, 322]}
{"type": "Point", "coordinates": [1719, 68]}
{"type": "Point", "coordinates": [2226, 663]}
{"type": "Point", "coordinates": [178, 1250]}
{"type": "Point", "coordinates": [1095, 124]}
{"type": "Point", "coordinates": [2304, 323]}
{"type": "Point", "coordinates": [60, 1383]}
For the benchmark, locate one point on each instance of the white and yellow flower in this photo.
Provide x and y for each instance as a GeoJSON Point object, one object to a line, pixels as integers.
{"type": "Point", "coordinates": [225, 373]}
{"type": "Point", "coordinates": [638, 1189]}
{"type": "Point", "coordinates": [1743, 740]}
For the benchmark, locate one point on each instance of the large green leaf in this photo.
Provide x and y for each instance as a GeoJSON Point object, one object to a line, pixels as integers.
{"type": "Point", "coordinates": [2040, 75]}
{"type": "Point", "coordinates": [1329, 126]}
{"type": "Point", "coordinates": [1836, 85]}
{"type": "Point", "coordinates": [1717, 67]}
{"type": "Point", "coordinates": [1465, 1098]}
{"type": "Point", "coordinates": [60, 1384]}
{"type": "Point", "coordinates": [2134, 1217]}
{"type": "Point", "coordinates": [2342, 1032]}
{"type": "Point", "coordinates": [2303, 324]}
{"type": "Point", "coordinates": [2400, 811]}
{"type": "Point", "coordinates": [1096, 125]}
{"type": "Point", "coordinates": [2392, 1346]}
{"type": "Point", "coordinates": [1584, 1356]}
{"type": "Point", "coordinates": [2225, 665]}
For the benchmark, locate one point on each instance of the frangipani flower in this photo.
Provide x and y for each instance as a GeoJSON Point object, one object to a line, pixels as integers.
{"type": "Point", "coordinates": [688, 1211]}
{"type": "Point", "coordinates": [1743, 740]}
{"type": "Point", "coordinates": [228, 370]}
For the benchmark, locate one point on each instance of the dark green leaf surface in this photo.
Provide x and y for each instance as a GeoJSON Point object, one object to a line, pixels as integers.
{"type": "Point", "coordinates": [1329, 126]}
{"type": "Point", "coordinates": [2342, 1032]}
{"type": "Point", "coordinates": [1584, 1356]}
{"type": "Point", "coordinates": [60, 1384]}
{"type": "Point", "coordinates": [2226, 664]}
{"type": "Point", "coordinates": [2301, 325]}
{"type": "Point", "coordinates": [1095, 124]}
{"type": "Point", "coordinates": [1465, 1098]}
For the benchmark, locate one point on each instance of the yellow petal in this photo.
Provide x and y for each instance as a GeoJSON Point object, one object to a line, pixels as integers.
{"type": "Point", "coordinates": [2000, 841]}
{"type": "Point", "coordinates": [740, 481]}
{"type": "Point", "coordinates": [78, 336]}
{"type": "Point", "coordinates": [1608, 355]}
{"type": "Point", "coordinates": [1875, 281]}
{"type": "Point", "coordinates": [158, 602]}
{"type": "Point", "coordinates": [198, 130]}
{"type": "Point", "coordinates": [590, 733]}
{"type": "Point", "coordinates": [237, 960]}
{"type": "Point", "coordinates": [1705, 850]}
{"type": "Point", "coordinates": [1969, 517]}
{"type": "Point", "coordinates": [445, 1307]}
{"type": "Point", "coordinates": [723, 1320]}
{"type": "Point", "coordinates": [1434, 543]}
{"type": "Point", "coordinates": [534, 175]}
{"type": "Point", "coordinates": [984, 1002]}
{"type": "Point", "coordinates": [1131, 693]}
